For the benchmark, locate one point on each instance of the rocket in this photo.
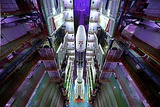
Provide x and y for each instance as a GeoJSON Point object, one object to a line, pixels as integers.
{"type": "Point", "coordinates": [80, 48]}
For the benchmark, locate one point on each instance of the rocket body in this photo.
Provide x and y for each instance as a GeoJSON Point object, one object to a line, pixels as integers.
{"type": "Point", "coordinates": [80, 48]}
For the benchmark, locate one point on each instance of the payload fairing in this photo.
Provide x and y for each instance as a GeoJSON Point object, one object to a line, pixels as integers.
{"type": "Point", "coordinates": [80, 47]}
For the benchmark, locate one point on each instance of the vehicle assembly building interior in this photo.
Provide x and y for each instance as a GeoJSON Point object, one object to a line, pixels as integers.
{"type": "Point", "coordinates": [80, 53]}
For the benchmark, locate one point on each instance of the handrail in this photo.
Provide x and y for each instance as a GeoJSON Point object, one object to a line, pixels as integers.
{"type": "Point", "coordinates": [18, 79]}
{"type": "Point", "coordinates": [21, 49]}
{"type": "Point", "coordinates": [153, 65]}
{"type": "Point", "coordinates": [148, 61]}
{"type": "Point", "coordinates": [32, 87]}
{"type": "Point", "coordinates": [20, 42]}
{"type": "Point", "coordinates": [145, 69]}
{"type": "Point", "coordinates": [140, 84]}
{"type": "Point", "coordinates": [14, 65]}
{"type": "Point", "coordinates": [135, 42]}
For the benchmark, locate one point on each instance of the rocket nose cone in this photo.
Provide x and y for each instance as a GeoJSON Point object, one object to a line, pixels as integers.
{"type": "Point", "coordinates": [81, 38]}
{"type": "Point", "coordinates": [81, 27]}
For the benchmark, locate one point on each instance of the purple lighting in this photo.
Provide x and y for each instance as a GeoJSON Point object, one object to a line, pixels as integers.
{"type": "Point", "coordinates": [81, 17]}
{"type": "Point", "coordinates": [81, 13]}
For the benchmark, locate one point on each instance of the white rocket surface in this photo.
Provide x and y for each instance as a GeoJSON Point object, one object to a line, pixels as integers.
{"type": "Point", "coordinates": [80, 47]}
